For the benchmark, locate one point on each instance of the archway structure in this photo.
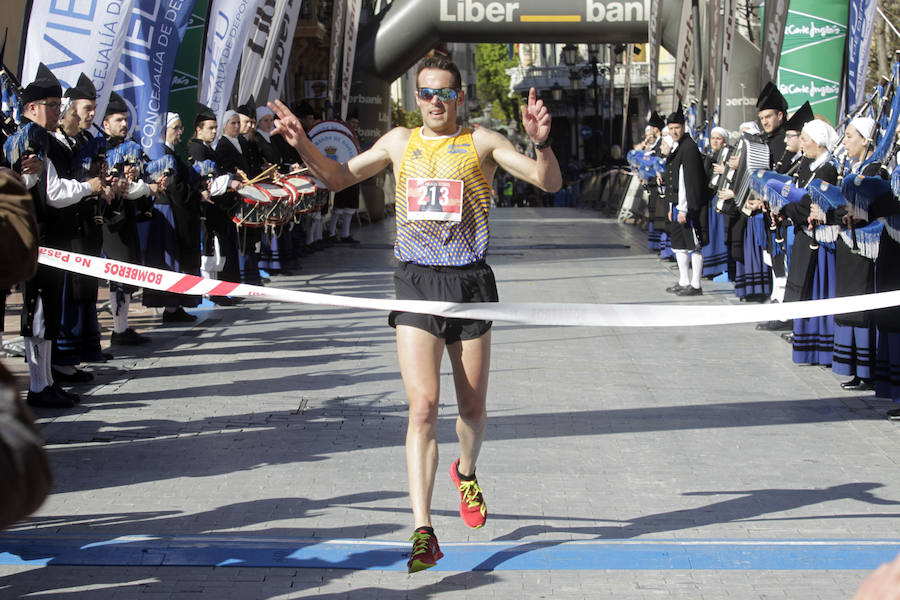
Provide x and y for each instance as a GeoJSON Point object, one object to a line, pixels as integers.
{"type": "Point", "coordinates": [394, 40]}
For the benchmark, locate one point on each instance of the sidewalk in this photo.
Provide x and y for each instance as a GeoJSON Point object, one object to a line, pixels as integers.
{"type": "Point", "coordinates": [267, 439]}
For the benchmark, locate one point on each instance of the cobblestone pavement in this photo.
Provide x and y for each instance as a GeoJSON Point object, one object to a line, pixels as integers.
{"type": "Point", "coordinates": [619, 463]}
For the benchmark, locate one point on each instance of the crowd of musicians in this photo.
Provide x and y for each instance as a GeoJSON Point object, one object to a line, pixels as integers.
{"type": "Point", "coordinates": [96, 193]}
{"type": "Point", "coordinates": [788, 210]}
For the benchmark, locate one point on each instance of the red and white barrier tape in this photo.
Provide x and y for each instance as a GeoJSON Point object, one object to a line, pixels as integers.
{"type": "Point", "coordinates": [526, 313]}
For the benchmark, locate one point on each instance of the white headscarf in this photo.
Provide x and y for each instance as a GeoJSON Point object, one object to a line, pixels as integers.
{"type": "Point", "coordinates": [233, 140]}
{"type": "Point", "coordinates": [865, 126]}
{"type": "Point", "coordinates": [721, 131]}
{"type": "Point", "coordinates": [262, 111]}
{"type": "Point", "coordinates": [227, 117]}
{"type": "Point", "coordinates": [669, 141]}
{"type": "Point", "coordinates": [821, 133]}
{"type": "Point", "coordinates": [171, 119]}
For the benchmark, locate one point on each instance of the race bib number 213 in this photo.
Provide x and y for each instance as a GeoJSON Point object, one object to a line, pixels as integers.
{"type": "Point", "coordinates": [434, 199]}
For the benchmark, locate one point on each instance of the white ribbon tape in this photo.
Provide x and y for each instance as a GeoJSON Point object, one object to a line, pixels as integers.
{"type": "Point", "coordinates": [527, 313]}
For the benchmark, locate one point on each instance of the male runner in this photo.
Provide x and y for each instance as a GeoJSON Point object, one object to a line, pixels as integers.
{"type": "Point", "coordinates": [441, 252]}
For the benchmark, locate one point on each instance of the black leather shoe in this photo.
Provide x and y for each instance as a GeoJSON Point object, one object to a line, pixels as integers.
{"type": "Point", "coordinates": [775, 326]}
{"type": "Point", "coordinates": [129, 337]}
{"type": "Point", "coordinates": [221, 300]}
{"type": "Point", "coordinates": [867, 385]}
{"type": "Point", "coordinates": [178, 316]}
{"type": "Point", "coordinates": [99, 357]}
{"type": "Point", "coordinates": [689, 291]}
{"type": "Point", "coordinates": [48, 398]}
{"type": "Point", "coordinates": [851, 384]}
{"type": "Point", "coordinates": [674, 289]}
{"type": "Point", "coordinates": [349, 240]}
{"type": "Point", "coordinates": [78, 376]}
{"type": "Point", "coordinates": [66, 394]}
{"type": "Point", "coordinates": [788, 336]}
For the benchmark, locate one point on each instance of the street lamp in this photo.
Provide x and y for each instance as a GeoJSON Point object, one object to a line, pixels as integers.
{"type": "Point", "coordinates": [556, 92]}
{"type": "Point", "coordinates": [570, 54]}
{"type": "Point", "coordinates": [594, 94]}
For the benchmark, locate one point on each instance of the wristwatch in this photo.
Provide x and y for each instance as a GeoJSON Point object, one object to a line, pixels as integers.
{"type": "Point", "coordinates": [544, 144]}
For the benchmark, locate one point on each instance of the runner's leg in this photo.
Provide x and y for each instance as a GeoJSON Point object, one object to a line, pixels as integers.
{"type": "Point", "coordinates": [419, 354]}
{"type": "Point", "coordinates": [471, 360]}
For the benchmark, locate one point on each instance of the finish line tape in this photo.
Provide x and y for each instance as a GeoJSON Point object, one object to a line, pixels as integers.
{"type": "Point", "coordinates": [525, 313]}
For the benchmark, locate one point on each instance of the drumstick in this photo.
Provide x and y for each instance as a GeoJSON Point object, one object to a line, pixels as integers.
{"type": "Point", "coordinates": [264, 175]}
{"type": "Point", "coordinates": [298, 171]}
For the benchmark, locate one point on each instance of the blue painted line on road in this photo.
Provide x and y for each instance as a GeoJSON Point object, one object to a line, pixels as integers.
{"type": "Point", "coordinates": [544, 555]}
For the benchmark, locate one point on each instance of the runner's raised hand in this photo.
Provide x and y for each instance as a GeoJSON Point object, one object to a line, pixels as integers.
{"type": "Point", "coordinates": [536, 118]}
{"type": "Point", "coordinates": [286, 123]}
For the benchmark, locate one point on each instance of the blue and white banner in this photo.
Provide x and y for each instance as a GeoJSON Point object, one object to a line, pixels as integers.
{"type": "Point", "coordinates": [153, 36]}
{"type": "Point", "coordinates": [226, 36]}
{"type": "Point", "coordinates": [859, 43]}
{"type": "Point", "coordinates": [77, 36]}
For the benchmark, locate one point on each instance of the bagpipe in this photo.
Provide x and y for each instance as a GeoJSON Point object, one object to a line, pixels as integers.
{"type": "Point", "coordinates": [10, 96]}
{"type": "Point", "coordinates": [646, 164]}
{"type": "Point", "coordinates": [30, 139]}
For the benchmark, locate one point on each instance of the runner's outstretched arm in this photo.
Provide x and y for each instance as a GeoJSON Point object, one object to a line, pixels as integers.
{"type": "Point", "coordinates": [335, 175]}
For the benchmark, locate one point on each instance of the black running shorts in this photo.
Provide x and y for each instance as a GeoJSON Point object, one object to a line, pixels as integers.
{"type": "Point", "coordinates": [469, 283]}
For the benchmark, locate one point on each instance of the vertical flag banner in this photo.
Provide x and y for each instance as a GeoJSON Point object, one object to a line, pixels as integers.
{"type": "Point", "coordinates": [859, 43]}
{"type": "Point", "coordinates": [685, 55]}
{"type": "Point", "coordinates": [351, 28]}
{"type": "Point", "coordinates": [253, 58]}
{"type": "Point", "coordinates": [77, 37]}
{"type": "Point", "coordinates": [654, 33]}
{"type": "Point", "coordinates": [714, 35]}
{"type": "Point", "coordinates": [812, 56]}
{"type": "Point", "coordinates": [226, 32]}
{"type": "Point", "coordinates": [336, 52]}
{"type": "Point", "coordinates": [153, 36]}
{"type": "Point", "coordinates": [626, 98]}
{"type": "Point", "coordinates": [183, 94]}
{"type": "Point", "coordinates": [728, 23]}
{"type": "Point", "coordinates": [265, 56]}
{"type": "Point", "coordinates": [281, 53]}
{"type": "Point", "coordinates": [775, 17]}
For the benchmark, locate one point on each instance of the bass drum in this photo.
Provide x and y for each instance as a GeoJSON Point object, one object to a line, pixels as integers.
{"type": "Point", "coordinates": [336, 145]}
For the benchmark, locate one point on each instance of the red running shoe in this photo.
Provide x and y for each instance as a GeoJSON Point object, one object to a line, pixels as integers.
{"type": "Point", "coordinates": [425, 551]}
{"type": "Point", "coordinates": [472, 508]}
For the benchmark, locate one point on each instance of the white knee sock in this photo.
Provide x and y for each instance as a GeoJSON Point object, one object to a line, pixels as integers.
{"type": "Point", "coordinates": [346, 219]}
{"type": "Point", "coordinates": [37, 353]}
{"type": "Point", "coordinates": [778, 286]}
{"type": "Point", "coordinates": [121, 302]}
{"type": "Point", "coordinates": [317, 227]}
{"type": "Point", "coordinates": [696, 268]}
{"type": "Point", "coordinates": [309, 225]}
{"type": "Point", "coordinates": [681, 257]}
{"type": "Point", "coordinates": [332, 224]}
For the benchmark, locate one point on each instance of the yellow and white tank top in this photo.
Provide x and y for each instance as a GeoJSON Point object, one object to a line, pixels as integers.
{"type": "Point", "coordinates": [443, 201]}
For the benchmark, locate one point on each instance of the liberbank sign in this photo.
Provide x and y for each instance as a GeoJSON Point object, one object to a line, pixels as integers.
{"type": "Point", "coordinates": [409, 28]}
{"type": "Point", "coordinates": [589, 11]}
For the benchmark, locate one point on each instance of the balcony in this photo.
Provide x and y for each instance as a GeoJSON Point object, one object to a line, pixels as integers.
{"type": "Point", "coordinates": [542, 78]}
